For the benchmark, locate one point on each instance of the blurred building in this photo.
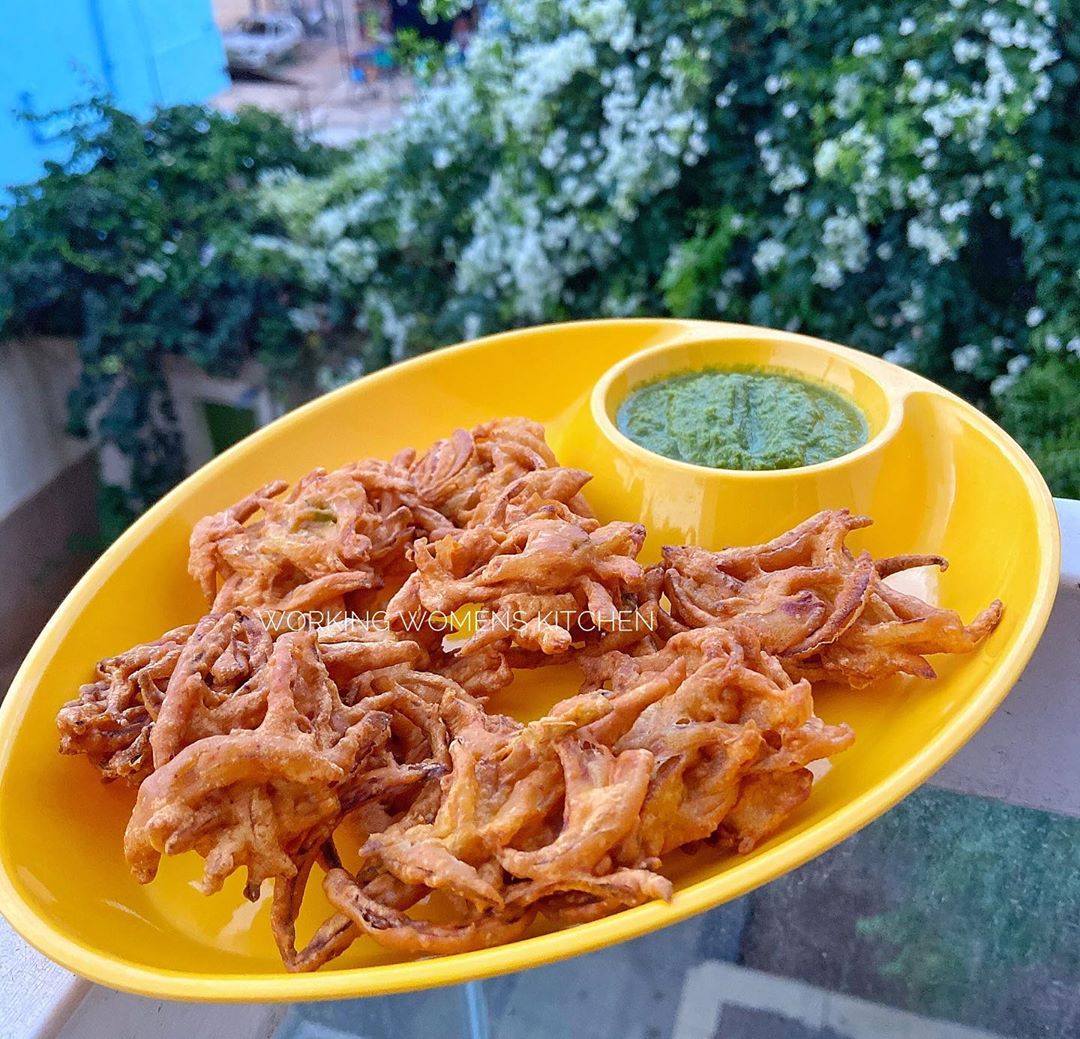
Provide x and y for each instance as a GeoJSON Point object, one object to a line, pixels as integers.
{"type": "Point", "coordinates": [142, 53]}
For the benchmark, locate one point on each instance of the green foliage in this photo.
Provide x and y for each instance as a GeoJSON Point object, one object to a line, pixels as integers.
{"type": "Point", "coordinates": [133, 246]}
{"type": "Point", "coordinates": [435, 9]}
{"type": "Point", "coordinates": [1043, 410]}
{"type": "Point", "coordinates": [423, 57]}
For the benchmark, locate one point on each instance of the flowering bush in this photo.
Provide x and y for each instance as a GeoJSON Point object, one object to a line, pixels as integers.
{"type": "Point", "coordinates": [899, 177]}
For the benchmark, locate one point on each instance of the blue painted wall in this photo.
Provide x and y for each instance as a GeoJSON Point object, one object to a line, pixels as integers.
{"type": "Point", "coordinates": [53, 53]}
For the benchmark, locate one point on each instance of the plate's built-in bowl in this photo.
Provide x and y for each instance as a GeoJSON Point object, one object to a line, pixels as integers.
{"type": "Point", "coordinates": [681, 502]}
{"type": "Point", "coordinates": [936, 475]}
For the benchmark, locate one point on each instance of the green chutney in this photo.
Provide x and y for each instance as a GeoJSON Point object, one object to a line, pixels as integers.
{"type": "Point", "coordinates": [755, 418]}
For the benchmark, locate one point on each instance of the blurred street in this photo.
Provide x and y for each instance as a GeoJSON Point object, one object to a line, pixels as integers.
{"type": "Point", "coordinates": [313, 89]}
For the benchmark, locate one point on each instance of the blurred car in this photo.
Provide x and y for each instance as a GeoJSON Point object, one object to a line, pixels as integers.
{"type": "Point", "coordinates": [312, 15]}
{"type": "Point", "coordinates": [262, 40]}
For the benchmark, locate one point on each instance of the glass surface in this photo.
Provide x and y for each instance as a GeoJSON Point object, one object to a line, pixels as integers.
{"type": "Point", "coordinates": [950, 916]}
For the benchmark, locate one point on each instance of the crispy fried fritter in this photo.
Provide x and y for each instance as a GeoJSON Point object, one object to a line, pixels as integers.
{"type": "Point", "coordinates": [542, 584]}
{"type": "Point", "coordinates": [255, 796]}
{"type": "Point", "coordinates": [715, 710]}
{"type": "Point", "coordinates": [827, 613]}
{"type": "Point", "coordinates": [468, 475]}
{"type": "Point", "coordinates": [195, 681]}
{"type": "Point", "coordinates": [403, 933]}
{"type": "Point", "coordinates": [543, 573]}
{"type": "Point", "coordinates": [603, 794]}
{"type": "Point", "coordinates": [110, 720]}
{"type": "Point", "coordinates": [496, 823]}
{"type": "Point", "coordinates": [335, 533]}
{"type": "Point", "coordinates": [127, 722]}
{"type": "Point", "coordinates": [209, 692]}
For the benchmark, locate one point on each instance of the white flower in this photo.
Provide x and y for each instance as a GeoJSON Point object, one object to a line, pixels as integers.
{"type": "Point", "coordinates": [920, 190]}
{"type": "Point", "coordinates": [773, 84]}
{"type": "Point", "coordinates": [353, 259]}
{"type": "Point", "coordinates": [966, 358]}
{"type": "Point", "coordinates": [150, 269]}
{"type": "Point", "coordinates": [846, 95]}
{"type": "Point", "coordinates": [921, 235]}
{"type": "Point", "coordinates": [1017, 364]}
{"type": "Point", "coordinates": [907, 26]}
{"type": "Point", "coordinates": [1052, 343]}
{"type": "Point", "coordinates": [866, 45]}
{"type": "Point", "coordinates": [845, 238]}
{"type": "Point", "coordinates": [674, 48]}
{"type": "Point", "coordinates": [1002, 384]}
{"type": "Point", "coordinates": [554, 149]}
{"type": "Point", "coordinates": [901, 354]}
{"type": "Point", "coordinates": [827, 274]}
{"type": "Point", "coordinates": [607, 21]}
{"type": "Point", "coordinates": [1035, 316]}
{"type": "Point", "coordinates": [923, 90]}
{"type": "Point", "coordinates": [789, 178]}
{"type": "Point", "coordinates": [826, 157]}
{"type": "Point", "coordinates": [543, 69]}
{"type": "Point", "coordinates": [790, 110]}
{"type": "Point", "coordinates": [395, 327]}
{"type": "Point", "coordinates": [965, 50]}
{"type": "Point", "coordinates": [723, 99]}
{"type": "Point", "coordinates": [329, 225]}
{"type": "Point", "coordinates": [697, 145]}
{"type": "Point", "coordinates": [1073, 345]}
{"type": "Point", "coordinates": [304, 319]}
{"type": "Point", "coordinates": [952, 211]}
{"type": "Point", "coordinates": [769, 255]}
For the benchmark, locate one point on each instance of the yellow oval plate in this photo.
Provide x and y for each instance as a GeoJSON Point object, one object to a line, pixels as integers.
{"type": "Point", "coordinates": [937, 476]}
